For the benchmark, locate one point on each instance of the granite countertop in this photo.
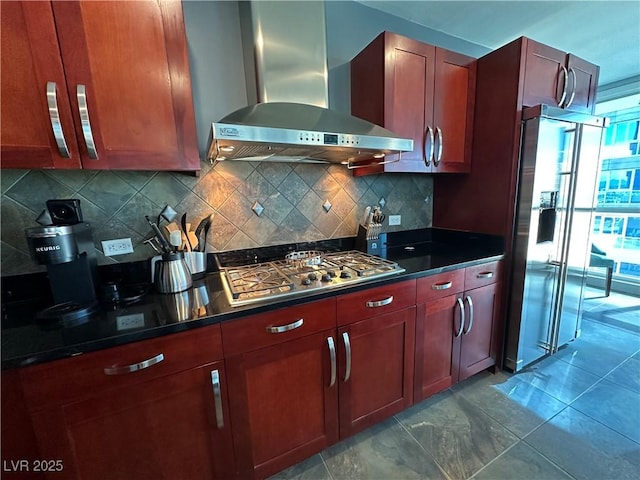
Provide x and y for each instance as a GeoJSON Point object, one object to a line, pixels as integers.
{"type": "Point", "coordinates": [27, 340]}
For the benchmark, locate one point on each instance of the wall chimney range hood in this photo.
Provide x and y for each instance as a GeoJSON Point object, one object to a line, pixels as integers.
{"type": "Point", "coordinates": [286, 64]}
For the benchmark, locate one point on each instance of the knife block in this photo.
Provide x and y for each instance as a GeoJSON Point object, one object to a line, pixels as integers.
{"type": "Point", "coordinates": [372, 247]}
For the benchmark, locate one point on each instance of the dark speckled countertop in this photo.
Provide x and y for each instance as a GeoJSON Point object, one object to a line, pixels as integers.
{"type": "Point", "coordinates": [27, 340]}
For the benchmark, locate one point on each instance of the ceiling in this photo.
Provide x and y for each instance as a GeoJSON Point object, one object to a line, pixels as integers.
{"type": "Point", "coordinates": [606, 33]}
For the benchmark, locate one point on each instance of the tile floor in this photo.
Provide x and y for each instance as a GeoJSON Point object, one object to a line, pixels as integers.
{"type": "Point", "coordinates": [575, 415]}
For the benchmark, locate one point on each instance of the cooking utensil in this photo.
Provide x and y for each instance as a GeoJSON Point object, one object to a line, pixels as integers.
{"type": "Point", "coordinates": [161, 238]}
{"type": "Point", "coordinates": [185, 231]}
{"type": "Point", "coordinates": [367, 211]}
{"type": "Point", "coordinates": [201, 232]}
{"type": "Point", "coordinates": [175, 239]}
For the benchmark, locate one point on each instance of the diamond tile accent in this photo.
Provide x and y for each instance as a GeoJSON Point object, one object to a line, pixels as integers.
{"type": "Point", "coordinates": [382, 202]}
{"type": "Point", "coordinates": [257, 208]}
{"type": "Point", "coordinates": [326, 205]}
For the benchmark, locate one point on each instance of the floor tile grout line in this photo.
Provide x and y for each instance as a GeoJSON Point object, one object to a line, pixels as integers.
{"type": "Point", "coordinates": [324, 462]}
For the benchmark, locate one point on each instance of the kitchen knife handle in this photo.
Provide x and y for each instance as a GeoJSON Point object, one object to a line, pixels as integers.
{"type": "Point", "coordinates": [347, 349]}
{"type": "Point", "coordinates": [85, 123]}
{"type": "Point", "coordinates": [573, 88]}
{"type": "Point", "coordinates": [285, 328]}
{"type": "Point", "coordinates": [217, 398]}
{"type": "Point", "coordinates": [436, 161]}
{"type": "Point", "coordinates": [379, 303]}
{"type": "Point", "coordinates": [564, 88]}
{"type": "Point", "coordinates": [54, 116]}
{"type": "Point", "coordinates": [134, 367]}
{"type": "Point", "coordinates": [485, 275]}
{"type": "Point", "coordinates": [470, 302]}
{"type": "Point", "coordinates": [461, 306]}
{"type": "Point", "coordinates": [442, 286]}
{"type": "Point", "coordinates": [332, 355]}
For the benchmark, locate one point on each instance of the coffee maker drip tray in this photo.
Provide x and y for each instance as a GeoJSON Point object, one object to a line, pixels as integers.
{"type": "Point", "coordinates": [69, 313]}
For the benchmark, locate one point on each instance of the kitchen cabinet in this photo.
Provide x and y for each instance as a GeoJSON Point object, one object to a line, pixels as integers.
{"type": "Point", "coordinates": [282, 368]}
{"type": "Point", "coordinates": [147, 410]}
{"type": "Point", "coordinates": [376, 337]}
{"type": "Point", "coordinates": [553, 77]}
{"type": "Point", "coordinates": [417, 91]}
{"type": "Point", "coordinates": [96, 85]}
{"type": "Point", "coordinates": [457, 327]}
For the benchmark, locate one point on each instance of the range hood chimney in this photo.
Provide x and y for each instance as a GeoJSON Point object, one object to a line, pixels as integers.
{"type": "Point", "coordinates": [285, 55]}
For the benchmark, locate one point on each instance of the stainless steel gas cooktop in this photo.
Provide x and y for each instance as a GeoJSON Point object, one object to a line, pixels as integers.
{"type": "Point", "coordinates": [301, 272]}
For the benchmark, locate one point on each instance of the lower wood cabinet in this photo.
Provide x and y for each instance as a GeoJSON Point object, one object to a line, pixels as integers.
{"type": "Point", "coordinates": [456, 329]}
{"type": "Point", "coordinates": [143, 421]}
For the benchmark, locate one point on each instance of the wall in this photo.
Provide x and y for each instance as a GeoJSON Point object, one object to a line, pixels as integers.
{"type": "Point", "coordinates": [115, 202]}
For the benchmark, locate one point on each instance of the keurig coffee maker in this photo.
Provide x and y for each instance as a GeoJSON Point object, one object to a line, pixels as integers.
{"type": "Point", "coordinates": [66, 248]}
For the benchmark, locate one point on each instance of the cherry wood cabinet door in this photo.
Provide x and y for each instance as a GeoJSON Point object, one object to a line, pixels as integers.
{"type": "Point", "coordinates": [131, 60]}
{"type": "Point", "coordinates": [175, 426]}
{"type": "Point", "coordinates": [544, 76]}
{"type": "Point", "coordinates": [437, 344]}
{"type": "Point", "coordinates": [31, 64]}
{"type": "Point", "coordinates": [455, 80]}
{"type": "Point", "coordinates": [478, 348]}
{"type": "Point", "coordinates": [583, 95]}
{"type": "Point", "coordinates": [284, 403]}
{"type": "Point", "coordinates": [376, 364]}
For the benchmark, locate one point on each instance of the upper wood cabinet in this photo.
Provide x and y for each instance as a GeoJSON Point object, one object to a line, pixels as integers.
{"type": "Point", "coordinates": [554, 77]}
{"type": "Point", "coordinates": [96, 85]}
{"type": "Point", "coordinates": [417, 91]}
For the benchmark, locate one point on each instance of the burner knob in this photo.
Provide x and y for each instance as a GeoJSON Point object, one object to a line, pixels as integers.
{"type": "Point", "coordinates": [345, 274]}
{"type": "Point", "coordinates": [312, 276]}
{"type": "Point", "coordinates": [331, 273]}
{"type": "Point", "coordinates": [306, 281]}
{"type": "Point", "coordinates": [326, 277]}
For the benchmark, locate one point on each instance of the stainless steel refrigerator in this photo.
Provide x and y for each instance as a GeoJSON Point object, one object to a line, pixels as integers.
{"type": "Point", "coordinates": [559, 162]}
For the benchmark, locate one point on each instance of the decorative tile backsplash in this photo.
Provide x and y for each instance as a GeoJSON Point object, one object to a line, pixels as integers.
{"type": "Point", "coordinates": [294, 198]}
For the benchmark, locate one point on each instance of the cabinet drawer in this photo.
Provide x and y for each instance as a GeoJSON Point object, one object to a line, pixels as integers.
{"type": "Point", "coordinates": [440, 285]}
{"type": "Point", "coordinates": [375, 301]}
{"type": "Point", "coordinates": [87, 375]}
{"type": "Point", "coordinates": [481, 275]}
{"type": "Point", "coordinates": [257, 331]}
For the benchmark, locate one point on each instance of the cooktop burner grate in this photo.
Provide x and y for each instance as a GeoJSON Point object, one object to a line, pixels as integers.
{"type": "Point", "coordinates": [265, 281]}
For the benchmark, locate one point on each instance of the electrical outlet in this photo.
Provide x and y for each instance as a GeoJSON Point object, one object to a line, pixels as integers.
{"type": "Point", "coordinates": [118, 246]}
{"type": "Point", "coordinates": [395, 220]}
{"type": "Point", "coordinates": [126, 322]}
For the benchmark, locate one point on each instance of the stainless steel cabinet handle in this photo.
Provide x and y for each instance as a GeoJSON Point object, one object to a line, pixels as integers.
{"type": "Point", "coordinates": [332, 355]}
{"type": "Point", "coordinates": [347, 349]}
{"type": "Point", "coordinates": [285, 328]}
{"type": "Point", "coordinates": [428, 134]}
{"type": "Point", "coordinates": [573, 89]}
{"type": "Point", "coordinates": [564, 88]}
{"type": "Point", "coordinates": [83, 110]}
{"type": "Point", "coordinates": [380, 303]}
{"type": "Point", "coordinates": [485, 275]}
{"type": "Point", "coordinates": [54, 116]}
{"type": "Point", "coordinates": [135, 366]}
{"type": "Point", "coordinates": [436, 161]}
{"type": "Point", "coordinates": [442, 286]}
{"type": "Point", "coordinates": [217, 398]}
{"type": "Point", "coordinates": [470, 302]}
{"type": "Point", "coordinates": [461, 306]}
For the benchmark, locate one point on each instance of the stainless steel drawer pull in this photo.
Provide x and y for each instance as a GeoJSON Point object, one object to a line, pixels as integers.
{"type": "Point", "coordinates": [83, 110]}
{"type": "Point", "coordinates": [428, 135]}
{"type": "Point", "coordinates": [217, 398]}
{"type": "Point", "coordinates": [285, 328]}
{"type": "Point", "coordinates": [461, 306]}
{"type": "Point", "coordinates": [485, 275]}
{"type": "Point", "coordinates": [347, 349]}
{"type": "Point", "coordinates": [442, 286]}
{"type": "Point", "coordinates": [135, 366]}
{"type": "Point", "coordinates": [379, 303]}
{"type": "Point", "coordinates": [470, 302]}
{"type": "Point", "coordinates": [54, 116]}
{"type": "Point", "coordinates": [332, 355]}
